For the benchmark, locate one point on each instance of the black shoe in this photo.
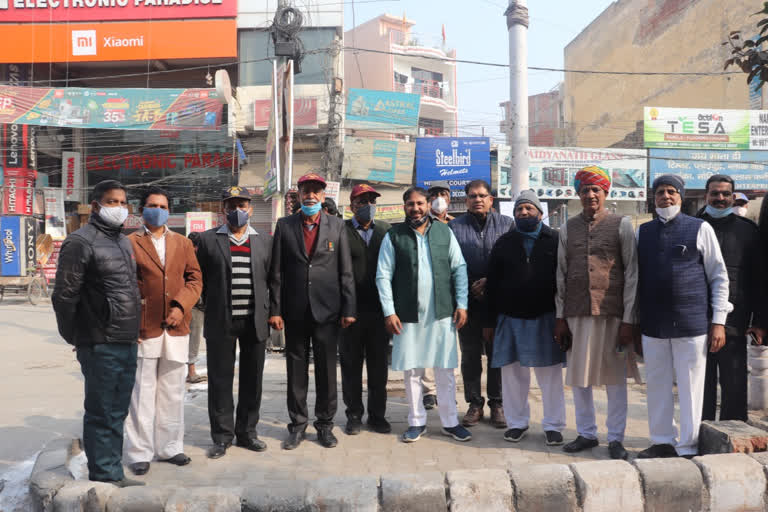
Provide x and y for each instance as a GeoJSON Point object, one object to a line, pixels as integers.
{"type": "Point", "coordinates": [294, 440]}
{"type": "Point", "coordinates": [658, 451]}
{"type": "Point", "coordinates": [617, 451]}
{"type": "Point", "coordinates": [688, 456]}
{"type": "Point", "coordinates": [514, 435]}
{"type": "Point", "coordinates": [139, 468]}
{"type": "Point", "coordinates": [326, 438]}
{"type": "Point", "coordinates": [380, 426]}
{"type": "Point", "coordinates": [180, 459]}
{"type": "Point", "coordinates": [353, 427]}
{"type": "Point", "coordinates": [127, 482]}
{"type": "Point", "coordinates": [430, 402]}
{"type": "Point", "coordinates": [579, 444]}
{"type": "Point", "coordinates": [218, 450]}
{"type": "Point", "coordinates": [252, 443]}
{"type": "Point", "coordinates": [554, 438]}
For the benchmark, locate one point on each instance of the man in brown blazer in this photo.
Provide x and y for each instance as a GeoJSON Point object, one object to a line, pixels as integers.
{"type": "Point", "coordinates": [170, 283]}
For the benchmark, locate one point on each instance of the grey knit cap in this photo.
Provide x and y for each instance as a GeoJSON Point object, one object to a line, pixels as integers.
{"type": "Point", "coordinates": [528, 196]}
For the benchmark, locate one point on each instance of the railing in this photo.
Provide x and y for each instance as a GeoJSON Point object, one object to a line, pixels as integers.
{"type": "Point", "coordinates": [401, 38]}
{"type": "Point", "coordinates": [430, 131]}
{"type": "Point", "coordinates": [429, 88]}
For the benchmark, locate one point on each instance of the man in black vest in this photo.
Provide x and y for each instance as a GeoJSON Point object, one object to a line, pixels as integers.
{"type": "Point", "coordinates": [683, 297]}
{"type": "Point", "coordinates": [235, 262]}
{"type": "Point", "coordinates": [312, 290]}
{"type": "Point", "coordinates": [365, 340]}
{"type": "Point", "coordinates": [739, 240]}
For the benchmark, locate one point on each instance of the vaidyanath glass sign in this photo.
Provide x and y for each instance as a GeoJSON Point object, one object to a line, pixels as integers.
{"type": "Point", "coordinates": [457, 160]}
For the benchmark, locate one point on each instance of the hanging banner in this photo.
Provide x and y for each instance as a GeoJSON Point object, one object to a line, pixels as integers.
{"type": "Point", "coordinates": [272, 160]}
{"type": "Point", "coordinates": [332, 190]}
{"type": "Point", "coordinates": [391, 213]}
{"type": "Point", "coordinates": [304, 114]}
{"type": "Point", "coordinates": [749, 169]}
{"type": "Point", "coordinates": [551, 171]}
{"type": "Point", "coordinates": [71, 175]}
{"type": "Point", "coordinates": [18, 191]}
{"type": "Point", "coordinates": [17, 141]}
{"type": "Point", "coordinates": [457, 160]}
{"type": "Point", "coordinates": [698, 128]}
{"type": "Point", "coordinates": [388, 161]}
{"type": "Point", "coordinates": [55, 222]}
{"type": "Point", "coordinates": [122, 109]}
{"type": "Point", "coordinates": [383, 111]}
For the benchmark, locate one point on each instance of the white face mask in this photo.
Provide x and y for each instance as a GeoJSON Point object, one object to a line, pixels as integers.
{"type": "Point", "coordinates": [113, 215]}
{"type": "Point", "coordinates": [741, 211]}
{"type": "Point", "coordinates": [439, 205]}
{"type": "Point", "coordinates": [668, 213]}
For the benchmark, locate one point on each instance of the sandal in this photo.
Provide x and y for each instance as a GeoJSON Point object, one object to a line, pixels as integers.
{"type": "Point", "coordinates": [197, 379]}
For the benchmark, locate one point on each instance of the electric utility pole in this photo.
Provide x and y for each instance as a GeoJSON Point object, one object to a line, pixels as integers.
{"type": "Point", "coordinates": [517, 25]}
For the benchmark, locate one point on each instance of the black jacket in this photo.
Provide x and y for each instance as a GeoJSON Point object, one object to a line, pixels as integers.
{"type": "Point", "coordinates": [325, 283]}
{"type": "Point", "coordinates": [518, 285]}
{"type": "Point", "coordinates": [365, 259]}
{"type": "Point", "coordinates": [740, 243]}
{"type": "Point", "coordinates": [215, 258]}
{"type": "Point", "coordinates": [96, 297]}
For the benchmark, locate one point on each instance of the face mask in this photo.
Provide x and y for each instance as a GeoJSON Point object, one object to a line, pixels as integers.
{"type": "Point", "coordinates": [416, 223]}
{"type": "Point", "coordinates": [741, 211]}
{"type": "Point", "coordinates": [668, 213]}
{"type": "Point", "coordinates": [439, 205]}
{"type": "Point", "coordinates": [155, 216]}
{"type": "Point", "coordinates": [113, 215]}
{"type": "Point", "coordinates": [718, 213]}
{"type": "Point", "coordinates": [237, 218]}
{"type": "Point", "coordinates": [366, 213]}
{"type": "Point", "coordinates": [527, 224]}
{"type": "Point", "coordinates": [311, 210]}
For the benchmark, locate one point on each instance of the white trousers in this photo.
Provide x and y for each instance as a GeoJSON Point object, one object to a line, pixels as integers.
{"type": "Point", "coordinates": [515, 384]}
{"type": "Point", "coordinates": [616, 419]}
{"type": "Point", "coordinates": [155, 423]}
{"type": "Point", "coordinates": [446, 397]}
{"type": "Point", "coordinates": [686, 360]}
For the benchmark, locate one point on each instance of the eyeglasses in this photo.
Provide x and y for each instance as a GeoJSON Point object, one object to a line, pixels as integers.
{"type": "Point", "coordinates": [477, 196]}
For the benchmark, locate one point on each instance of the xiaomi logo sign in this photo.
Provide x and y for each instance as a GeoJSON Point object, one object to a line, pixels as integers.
{"type": "Point", "coordinates": [83, 42]}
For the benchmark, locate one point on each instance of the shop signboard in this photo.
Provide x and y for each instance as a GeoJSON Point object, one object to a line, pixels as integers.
{"type": "Point", "coordinates": [382, 111]}
{"type": "Point", "coordinates": [18, 140]}
{"type": "Point", "coordinates": [71, 175]}
{"type": "Point", "coordinates": [697, 128]}
{"type": "Point", "coordinates": [304, 114]}
{"type": "Point", "coordinates": [197, 222]}
{"type": "Point", "coordinates": [388, 161]}
{"type": "Point", "coordinates": [551, 171]}
{"type": "Point", "coordinates": [18, 191]}
{"type": "Point", "coordinates": [457, 160]}
{"type": "Point", "coordinates": [63, 11]}
{"type": "Point", "coordinates": [122, 109]}
{"type": "Point", "coordinates": [387, 212]}
{"type": "Point", "coordinates": [118, 41]}
{"type": "Point", "coordinates": [55, 221]}
{"type": "Point", "coordinates": [19, 235]}
{"type": "Point", "coordinates": [749, 169]}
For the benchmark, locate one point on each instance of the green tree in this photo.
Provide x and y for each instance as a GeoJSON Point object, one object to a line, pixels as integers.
{"type": "Point", "coordinates": [747, 53]}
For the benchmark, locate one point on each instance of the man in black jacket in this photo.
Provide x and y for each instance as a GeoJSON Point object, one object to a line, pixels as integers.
{"type": "Point", "coordinates": [312, 290]}
{"type": "Point", "coordinates": [98, 310]}
{"type": "Point", "coordinates": [235, 262]}
{"type": "Point", "coordinates": [520, 294]}
{"type": "Point", "coordinates": [366, 339]}
{"type": "Point", "coordinates": [739, 240]}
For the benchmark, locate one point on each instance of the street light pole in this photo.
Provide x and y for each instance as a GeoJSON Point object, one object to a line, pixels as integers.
{"type": "Point", "coordinates": [517, 25]}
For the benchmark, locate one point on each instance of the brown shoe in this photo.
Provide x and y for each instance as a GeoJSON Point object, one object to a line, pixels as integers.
{"type": "Point", "coordinates": [497, 417]}
{"type": "Point", "coordinates": [473, 416]}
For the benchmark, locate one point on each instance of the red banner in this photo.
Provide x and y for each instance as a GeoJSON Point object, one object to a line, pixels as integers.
{"type": "Point", "coordinates": [47, 11]}
{"type": "Point", "coordinates": [18, 191]}
{"type": "Point", "coordinates": [304, 113]}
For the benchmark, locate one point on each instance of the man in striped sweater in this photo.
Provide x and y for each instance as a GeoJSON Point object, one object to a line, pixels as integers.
{"type": "Point", "coordinates": [235, 260]}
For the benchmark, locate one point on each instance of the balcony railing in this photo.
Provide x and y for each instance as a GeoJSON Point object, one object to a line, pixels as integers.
{"type": "Point", "coordinates": [426, 131]}
{"type": "Point", "coordinates": [401, 38]}
{"type": "Point", "coordinates": [423, 88]}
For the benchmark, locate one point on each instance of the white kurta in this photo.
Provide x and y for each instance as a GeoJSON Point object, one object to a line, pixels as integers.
{"type": "Point", "coordinates": [430, 343]}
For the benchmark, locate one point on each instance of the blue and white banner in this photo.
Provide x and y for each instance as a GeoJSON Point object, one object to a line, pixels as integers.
{"type": "Point", "coordinates": [457, 160]}
{"type": "Point", "coordinates": [383, 111]}
{"type": "Point", "coordinates": [749, 169]}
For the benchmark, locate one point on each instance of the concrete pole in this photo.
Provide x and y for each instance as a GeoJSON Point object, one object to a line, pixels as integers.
{"type": "Point", "coordinates": [517, 24]}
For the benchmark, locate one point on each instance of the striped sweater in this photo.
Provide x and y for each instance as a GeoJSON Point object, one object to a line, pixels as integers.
{"type": "Point", "coordinates": [242, 282]}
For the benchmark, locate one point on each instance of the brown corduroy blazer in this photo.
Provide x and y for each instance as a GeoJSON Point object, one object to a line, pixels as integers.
{"type": "Point", "coordinates": [178, 283]}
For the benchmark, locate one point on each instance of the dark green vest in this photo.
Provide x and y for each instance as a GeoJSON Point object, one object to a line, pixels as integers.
{"type": "Point", "coordinates": [405, 282]}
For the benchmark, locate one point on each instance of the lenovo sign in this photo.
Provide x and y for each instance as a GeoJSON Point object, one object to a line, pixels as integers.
{"type": "Point", "coordinates": [46, 11]}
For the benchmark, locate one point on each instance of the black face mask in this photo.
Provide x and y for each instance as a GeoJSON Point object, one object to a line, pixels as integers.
{"type": "Point", "coordinates": [416, 223]}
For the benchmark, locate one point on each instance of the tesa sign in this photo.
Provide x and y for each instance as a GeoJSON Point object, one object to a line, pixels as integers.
{"type": "Point", "coordinates": [13, 11]}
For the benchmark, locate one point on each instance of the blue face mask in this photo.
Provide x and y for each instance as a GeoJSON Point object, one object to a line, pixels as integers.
{"type": "Point", "coordinates": [527, 224]}
{"type": "Point", "coordinates": [155, 216]}
{"type": "Point", "coordinates": [309, 211]}
{"type": "Point", "coordinates": [237, 218]}
{"type": "Point", "coordinates": [718, 213]}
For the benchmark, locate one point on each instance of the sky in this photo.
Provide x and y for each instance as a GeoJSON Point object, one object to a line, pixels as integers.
{"type": "Point", "coordinates": [477, 30]}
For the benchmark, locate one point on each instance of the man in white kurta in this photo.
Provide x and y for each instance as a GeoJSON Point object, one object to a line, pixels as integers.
{"type": "Point", "coordinates": [426, 336]}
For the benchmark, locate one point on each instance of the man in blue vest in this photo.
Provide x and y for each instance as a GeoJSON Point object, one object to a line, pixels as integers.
{"type": "Point", "coordinates": [477, 232]}
{"type": "Point", "coordinates": [683, 296]}
{"type": "Point", "coordinates": [422, 282]}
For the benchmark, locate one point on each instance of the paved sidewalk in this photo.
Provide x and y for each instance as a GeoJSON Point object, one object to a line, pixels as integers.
{"type": "Point", "coordinates": [43, 400]}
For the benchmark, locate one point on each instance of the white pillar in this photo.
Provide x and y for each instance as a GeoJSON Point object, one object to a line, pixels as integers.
{"type": "Point", "coordinates": [517, 24]}
{"type": "Point", "coordinates": [758, 377]}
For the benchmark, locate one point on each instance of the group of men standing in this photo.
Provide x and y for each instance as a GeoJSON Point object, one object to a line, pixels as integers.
{"type": "Point", "coordinates": [592, 295]}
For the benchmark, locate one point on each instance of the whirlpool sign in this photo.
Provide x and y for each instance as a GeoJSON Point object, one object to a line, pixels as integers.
{"type": "Point", "coordinates": [455, 160]}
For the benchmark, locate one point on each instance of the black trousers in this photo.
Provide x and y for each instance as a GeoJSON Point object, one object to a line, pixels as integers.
{"type": "Point", "coordinates": [323, 340]}
{"type": "Point", "coordinates": [730, 365]}
{"type": "Point", "coordinates": [226, 423]}
{"type": "Point", "coordinates": [472, 348]}
{"type": "Point", "coordinates": [365, 340]}
{"type": "Point", "coordinates": [109, 370]}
